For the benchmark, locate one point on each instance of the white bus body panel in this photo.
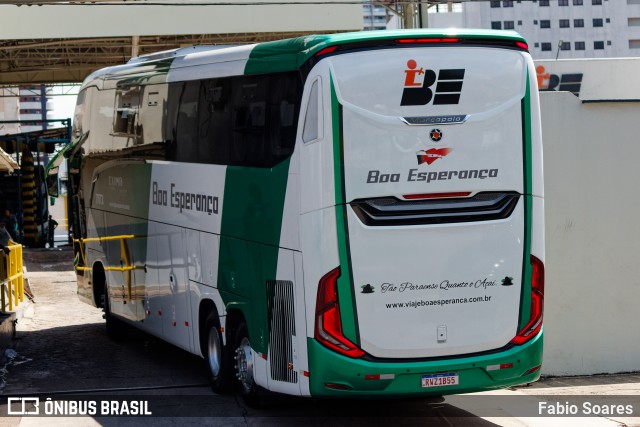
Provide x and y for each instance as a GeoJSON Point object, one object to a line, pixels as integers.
{"type": "Point", "coordinates": [460, 268]}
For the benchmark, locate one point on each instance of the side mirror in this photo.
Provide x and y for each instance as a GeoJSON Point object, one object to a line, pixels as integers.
{"type": "Point", "coordinates": [52, 182]}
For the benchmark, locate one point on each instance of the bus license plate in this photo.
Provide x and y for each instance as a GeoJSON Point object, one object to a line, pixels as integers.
{"type": "Point", "coordinates": [439, 380]}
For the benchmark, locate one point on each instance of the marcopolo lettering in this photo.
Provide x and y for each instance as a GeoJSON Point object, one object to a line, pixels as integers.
{"type": "Point", "coordinates": [183, 200]}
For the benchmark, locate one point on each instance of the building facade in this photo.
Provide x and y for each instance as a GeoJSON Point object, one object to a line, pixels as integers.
{"type": "Point", "coordinates": [9, 110]}
{"type": "Point", "coordinates": [558, 28]}
{"type": "Point", "coordinates": [376, 17]}
{"type": "Point", "coordinates": [35, 104]}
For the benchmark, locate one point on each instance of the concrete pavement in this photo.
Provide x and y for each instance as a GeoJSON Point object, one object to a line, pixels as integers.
{"type": "Point", "coordinates": [54, 335]}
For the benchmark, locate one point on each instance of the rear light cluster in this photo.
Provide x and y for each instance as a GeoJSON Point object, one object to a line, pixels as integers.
{"type": "Point", "coordinates": [537, 302]}
{"type": "Point", "coordinates": [424, 41]}
{"type": "Point", "coordinates": [328, 322]}
{"type": "Point", "coordinates": [429, 40]}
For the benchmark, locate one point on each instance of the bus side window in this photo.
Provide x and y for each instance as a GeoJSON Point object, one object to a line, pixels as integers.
{"type": "Point", "coordinates": [313, 124]}
{"type": "Point", "coordinates": [126, 110]}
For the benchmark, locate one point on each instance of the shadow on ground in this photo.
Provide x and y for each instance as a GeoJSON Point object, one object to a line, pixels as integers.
{"type": "Point", "coordinates": [45, 259]}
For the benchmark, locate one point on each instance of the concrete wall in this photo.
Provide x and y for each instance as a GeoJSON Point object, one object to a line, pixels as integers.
{"type": "Point", "coordinates": [592, 212]}
{"type": "Point", "coordinates": [73, 20]}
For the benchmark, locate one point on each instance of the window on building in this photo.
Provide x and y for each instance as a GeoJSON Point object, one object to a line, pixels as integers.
{"type": "Point", "coordinates": [536, 45]}
{"type": "Point", "coordinates": [508, 25]}
{"type": "Point", "coordinates": [563, 2]}
{"type": "Point", "coordinates": [544, 3]}
{"type": "Point", "coordinates": [496, 25]}
{"type": "Point", "coordinates": [577, 2]}
{"type": "Point", "coordinates": [596, 2]}
{"type": "Point", "coordinates": [519, 22]}
{"type": "Point", "coordinates": [565, 46]}
{"type": "Point", "coordinates": [579, 45]}
{"type": "Point", "coordinates": [608, 20]}
{"type": "Point", "coordinates": [535, 22]}
{"type": "Point", "coordinates": [507, 3]}
{"type": "Point", "coordinates": [608, 42]}
{"type": "Point", "coordinates": [598, 45]}
{"type": "Point", "coordinates": [495, 3]}
{"type": "Point", "coordinates": [578, 23]}
{"type": "Point", "coordinates": [545, 23]}
{"type": "Point", "coordinates": [546, 46]}
{"type": "Point", "coordinates": [564, 23]}
{"type": "Point", "coordinates": [597, 22]}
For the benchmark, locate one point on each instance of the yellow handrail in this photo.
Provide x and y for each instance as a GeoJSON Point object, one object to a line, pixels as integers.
{"type": "Point", "coordinates": [124, 256]}
{"type": "Point", "coordinates": [11, 278]}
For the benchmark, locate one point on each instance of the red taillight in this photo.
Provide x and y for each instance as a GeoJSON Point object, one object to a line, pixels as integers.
{"type": "Point", "coordinates": [328, 322]}
{"type": "Point", "coordinates": [429, 40]}
{"type": "Point", "coordinates": [537, 302]}
{"type": "Point", "coordinates": [327, 50]}
{"type": "Point", "coordinates": [523, 45]}
{"type": "Point", "coordinates": [532, 370]}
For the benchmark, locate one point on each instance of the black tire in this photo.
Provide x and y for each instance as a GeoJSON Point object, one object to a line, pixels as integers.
{"type": "Point", "coordinates": [243, 356]}
{"type": "Point", "coordinates": [116, 328]}
{"type": "Point", "coordinates": [217, 356]}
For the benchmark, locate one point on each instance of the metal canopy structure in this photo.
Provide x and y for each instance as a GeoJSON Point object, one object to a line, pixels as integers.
{"type": "Point", "coordinates": [52, 42]}
{"type": "Point", "coordinates": [25, 62]}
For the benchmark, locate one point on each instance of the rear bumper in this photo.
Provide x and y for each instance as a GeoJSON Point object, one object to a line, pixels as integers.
{"type": "Point", "coordinates": [404, 378]}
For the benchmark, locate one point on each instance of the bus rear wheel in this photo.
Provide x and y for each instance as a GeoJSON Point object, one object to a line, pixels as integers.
{"type": "Point", "coordinates": [216, 355]}
{"type": "Point", "coordinates": [244, 366]}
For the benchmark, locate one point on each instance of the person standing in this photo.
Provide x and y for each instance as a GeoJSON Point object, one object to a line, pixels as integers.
{"type": "Point", "coordinates": [11, 224]}
{"type": "Point", "coordinates": [51, 235]}
{"type": "Point", "coordinates": [5, 237]}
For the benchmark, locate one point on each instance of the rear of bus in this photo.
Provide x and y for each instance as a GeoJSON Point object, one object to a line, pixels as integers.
{"type": "Point", "coordinates": [422, 214]}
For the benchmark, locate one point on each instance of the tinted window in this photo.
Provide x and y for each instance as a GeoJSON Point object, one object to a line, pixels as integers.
{"type": "Point", "coordinates": [241, 121]}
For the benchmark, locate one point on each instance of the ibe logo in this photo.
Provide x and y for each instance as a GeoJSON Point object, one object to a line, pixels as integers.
{"type": "Point", "coordinates": [419, 90]}
{"type": "Point", "coordinates": [563, 82]}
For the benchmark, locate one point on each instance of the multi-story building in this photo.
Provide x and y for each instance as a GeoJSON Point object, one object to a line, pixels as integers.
{"type": "Point", "coordinates": [9, 109]}
{"type": "Point", "coordinates": [34, 105]}
{"type": "Point", "coordinates": [375, 16]}
{"type": "Point", "coordinates": [559, 28]}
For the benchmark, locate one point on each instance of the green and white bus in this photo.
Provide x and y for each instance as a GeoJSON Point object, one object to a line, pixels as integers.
{"type": "Point", "coordinates": [356, 214]}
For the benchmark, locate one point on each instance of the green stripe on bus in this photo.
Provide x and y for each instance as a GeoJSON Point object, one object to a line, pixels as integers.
{"type": "Point", "coordinates": [328, 367]}
{"type": "Point", "coordinates": [525, 295]}
{"type": "Point", "coordinates": [345, 282]}
{"type": "Point", "coordinates": [291, 54]}
{"type": "Point", "coordinates": [253, 207]}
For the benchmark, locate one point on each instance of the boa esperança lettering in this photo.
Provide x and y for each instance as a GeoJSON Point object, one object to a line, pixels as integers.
{"type": "Point", "coordinates": [375, 176]}
{"type": "Point", "coordinates": [184, 200]}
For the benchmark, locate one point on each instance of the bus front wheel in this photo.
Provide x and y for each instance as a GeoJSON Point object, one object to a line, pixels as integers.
{"type": "Point", "coordinates": [216, 356]}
